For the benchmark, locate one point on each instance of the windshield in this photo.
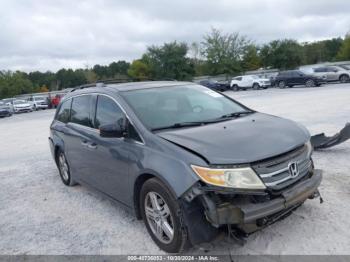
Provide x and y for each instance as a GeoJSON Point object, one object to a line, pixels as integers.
{"type": "Point", "coordinates": [38, 98]}
{"type": "Point", "coordinates": [255, 77]}
{"type": "Point", "coordinates": [17, 102]}
{"type": "Point", "coordinates": [168, 106]}
{"type": "Point", "coordinates": [345, 67]}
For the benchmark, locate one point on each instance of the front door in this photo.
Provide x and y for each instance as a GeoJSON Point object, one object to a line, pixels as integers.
{"type": "Point", "coordinates": [109, 170]}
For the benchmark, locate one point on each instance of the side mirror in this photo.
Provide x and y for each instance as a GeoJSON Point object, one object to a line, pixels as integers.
{"type": "Point", "coordinates": [117, 129]}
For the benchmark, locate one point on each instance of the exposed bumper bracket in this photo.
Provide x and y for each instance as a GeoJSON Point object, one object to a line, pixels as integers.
{"type": "Point", "coordinates": [321, 141]}
{"type": "Point", "coordinates": [245, 213]}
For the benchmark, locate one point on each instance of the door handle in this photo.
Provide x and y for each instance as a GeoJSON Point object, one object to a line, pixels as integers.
{"type": "Point", "coordinates": [84, 143]}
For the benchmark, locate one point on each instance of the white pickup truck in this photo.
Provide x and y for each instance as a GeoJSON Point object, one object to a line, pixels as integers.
{"type": "Point", "coordinates": [249, 81]}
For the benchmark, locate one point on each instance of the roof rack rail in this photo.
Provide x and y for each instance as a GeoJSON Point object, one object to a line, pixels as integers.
{"type": "Point", "coordinates": [101, 83]}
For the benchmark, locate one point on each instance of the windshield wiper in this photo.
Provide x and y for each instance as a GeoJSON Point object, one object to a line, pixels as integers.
{"type": "Point", "coordinates": [201, 123]}
{"type": "Point", "coordinates": [236, 114]}
{"type": "Point", "coordinates": [179, 125]}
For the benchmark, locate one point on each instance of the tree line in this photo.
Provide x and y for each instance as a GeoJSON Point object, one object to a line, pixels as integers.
{"type": "Point", "coordinates": [217, 53]}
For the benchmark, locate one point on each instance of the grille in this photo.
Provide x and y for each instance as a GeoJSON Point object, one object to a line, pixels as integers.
{"type": "Point", "coordinates": [275, 173]}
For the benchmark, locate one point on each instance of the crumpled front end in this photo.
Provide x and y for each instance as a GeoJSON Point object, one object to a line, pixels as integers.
{"type": "Point", "coordinates": [290, 180]}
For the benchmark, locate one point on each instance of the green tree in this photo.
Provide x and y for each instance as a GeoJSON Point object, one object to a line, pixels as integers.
{"type": "Point", "coordinates": [282, 54]}
{"type": "Point", "coordinates": [321, 51]}
{"type": "Point", "coordinates": [139, 70]}
{"type": "Point", "coordinates": [41, 79]}
{"type": "Point", "coordinates": [344, 52]}
{"type": "Point", "coordinates": [169, 61]}
{"type": "Point", "coordinates": [69, 78]}
{"type": "Point", "coordinates": [14, 83]}
{"type": "Point", "coordinates": [102, 72]}
{"type": "Point", "coordinates": [223, 52]}
{"type": "Point", "coordinates": [119, 68]}
{"type": "Point", "coordinates": [251, 59]}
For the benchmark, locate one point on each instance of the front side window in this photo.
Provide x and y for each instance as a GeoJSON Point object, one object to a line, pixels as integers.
{"type": "Point", "coordinates": [167, 106]}
{"type": "Point", "coordinates": [332, 69]}
{"type": "Point", "coordinates": [63, 114]}
{"type": "Point", "coordinates": [80, 112]}
{"type": "Point", "coordinates": [107, 111]}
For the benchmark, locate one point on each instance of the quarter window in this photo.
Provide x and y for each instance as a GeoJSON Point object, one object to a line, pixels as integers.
{"type": "Point", "coordinates": [80, 113]}
{"type": "Point", "coordinates": [63, 114]}
{"type": "Point", "coordinates": [107, 111]}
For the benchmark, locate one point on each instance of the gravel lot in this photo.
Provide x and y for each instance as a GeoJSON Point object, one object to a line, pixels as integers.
{"type": "Point", "coordinates": [39, 215]}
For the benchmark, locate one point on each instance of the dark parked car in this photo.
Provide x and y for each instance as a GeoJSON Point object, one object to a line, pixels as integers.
{"type": "Point", "coordinates": [187, 160]}
{"type": "Point", "coordinates": [5, 110]}
{"type": "Point", "coordinates": [295, 77]}
{"type": "Point", "coordinates": [215, 85]}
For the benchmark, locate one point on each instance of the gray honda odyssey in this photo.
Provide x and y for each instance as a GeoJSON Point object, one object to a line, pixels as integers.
{"type": "Point", "coordinates": [189, 161]}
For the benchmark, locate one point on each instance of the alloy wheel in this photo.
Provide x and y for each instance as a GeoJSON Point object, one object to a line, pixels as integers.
{"type": "Point", "coordinates": [63, 166]}
{"type": "Point", "coordinates": [310, 83]}
{"type": "Point", "coordinates": [282, 84]}
{"type": "Point", "coordinates": [159, 217]}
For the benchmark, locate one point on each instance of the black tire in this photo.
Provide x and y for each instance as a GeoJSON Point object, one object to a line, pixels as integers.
{"type": "Point", "coordinates": [310, 83]}
{"type": "Point", "coordinates": [282, 84]}
{"type": "Point", "coordinates": [344, 78]}
{"type": "Point", "coordinates": [256, 86]}
{"type": "Point", "coordinates": [65, 176]}
{"type": "Point", "coordinates": [235, 88]}
{"type": "Point", "coordinates": [179, 241]}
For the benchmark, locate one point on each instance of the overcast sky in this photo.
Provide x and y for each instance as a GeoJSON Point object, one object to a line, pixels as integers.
{"type": "Point", "coordinates": [51, 34]}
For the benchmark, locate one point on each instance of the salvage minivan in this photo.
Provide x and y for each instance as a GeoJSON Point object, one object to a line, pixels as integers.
{"type": "Point", "coordinates": [189, 161]}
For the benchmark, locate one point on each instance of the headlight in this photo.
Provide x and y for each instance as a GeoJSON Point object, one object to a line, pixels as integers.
{"type": "Point", "coordinates": [310, 148]}
{"type": "Point", "coordinates": [242, 178]}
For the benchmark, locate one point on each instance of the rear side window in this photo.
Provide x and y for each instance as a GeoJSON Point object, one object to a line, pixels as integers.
{"type": "Point", "coordinates": [63, 114]}
{"type": "Point", "coordinates": [283, 74]}
{"type": "Point", "coordinates": [320, 70]}
{"type": "Point", "coordinates": [80, 112]}
{"type": "Point", "coordinates": [107, 111]}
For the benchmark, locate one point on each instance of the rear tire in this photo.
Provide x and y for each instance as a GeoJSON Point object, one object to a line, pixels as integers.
{"type": "Point", "coordinates": [164, 221]}
{"type": "Point", "coordinates": [235, 88]}
{"type": "Point", "coordinates": [64, 169]}
{"type": "Point", "coordinates": [256, 86]}
{"type": "Point", "coordinates": [310, 83]}
{"type": "Point", "coordinates": [282, 84]}
{"type": "Point", "coordinates": [344, 78]}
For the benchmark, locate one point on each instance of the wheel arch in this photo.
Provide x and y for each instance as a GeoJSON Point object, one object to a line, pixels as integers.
{"type": "Point", "coordinates": [344, 74]}
{"type": "Point", "coordinates": [139, 181]}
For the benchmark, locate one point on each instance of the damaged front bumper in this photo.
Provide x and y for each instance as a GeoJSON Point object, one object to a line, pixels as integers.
{"type": "Point", "coordinates": [248, 215]}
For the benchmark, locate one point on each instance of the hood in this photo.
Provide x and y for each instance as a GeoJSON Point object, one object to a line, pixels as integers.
{"type": "Point", "coordinates": [264, 79]}
{"type": "Point", "coordinates": [242, 140]}
{"type": "Point", "coordinates": [3, 106]}
{"type": "Point", "coordinates": [22, 105]}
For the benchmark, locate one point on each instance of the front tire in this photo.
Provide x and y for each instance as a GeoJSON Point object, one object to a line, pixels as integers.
{"type": "Point", "coordinates": [64, 169]}
{"type": "Point", "coordinates": [162, 216]}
